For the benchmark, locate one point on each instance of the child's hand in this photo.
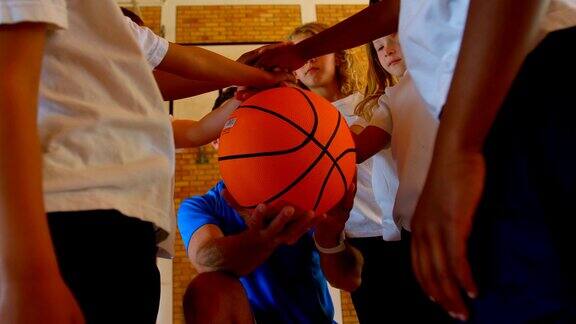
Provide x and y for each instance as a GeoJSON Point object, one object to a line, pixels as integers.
{"type": "Point", "coordinates": [278, 75]}
{"type": "Point", "coordinates": [286, 56]}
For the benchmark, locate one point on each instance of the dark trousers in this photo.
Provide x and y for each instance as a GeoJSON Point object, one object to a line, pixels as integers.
{"type": "Point", "coordinates": [522, 244]}
{"type": "Point", "coordinates": [389, 292]}
{"type": "Point", "coordinates": [108, 261]}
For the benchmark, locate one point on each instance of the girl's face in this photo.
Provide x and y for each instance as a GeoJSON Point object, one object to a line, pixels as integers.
{"type": "Point", "coordinates": [390, 54]}
{"type": "Point", "coordinates": [317, 72]}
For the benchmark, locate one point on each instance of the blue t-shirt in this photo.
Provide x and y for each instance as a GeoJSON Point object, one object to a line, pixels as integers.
{"type": "Point", "coordinates": [289, 287]}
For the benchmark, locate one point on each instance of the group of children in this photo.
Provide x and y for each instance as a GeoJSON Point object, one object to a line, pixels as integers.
{"type": "Point", "coordinates": [477, 168]}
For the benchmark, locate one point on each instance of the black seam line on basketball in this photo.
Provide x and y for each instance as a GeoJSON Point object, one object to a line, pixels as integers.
{"type": "Point", "coordinates": [281, 152]}
{"type": "Point", "coordinates": [350, 150]}
{"type": "Point", "coordinates": [310, 167]}
{"type": "Point", "coordinates": [309, 136]}
{"type": "Point", "coordinates": [334, 161]}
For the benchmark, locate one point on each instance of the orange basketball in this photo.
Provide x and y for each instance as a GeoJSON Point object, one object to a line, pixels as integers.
{"type": "Point", "coordinates": [288, 145]}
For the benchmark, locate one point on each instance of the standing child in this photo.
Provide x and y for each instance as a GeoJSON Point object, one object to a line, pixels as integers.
{"type": "Point", "coordinates": [83, 136]}
{"type": "Point", "coordinates": [371, 227]}
{"type": "Point", "coordinates": [386, 68]}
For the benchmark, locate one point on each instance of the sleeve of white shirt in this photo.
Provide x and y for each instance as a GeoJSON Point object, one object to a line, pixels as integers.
{"type": "Point", "coordinates": [381, 117]}
{"type": "Point", "coordinates": [52, 12]}
{"type": "Point", "coordinates": [153, 46]}
{"type": "Point", "coordinates": [359, 121]}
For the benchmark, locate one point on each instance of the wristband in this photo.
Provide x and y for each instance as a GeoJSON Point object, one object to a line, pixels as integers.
{"type": "Point", "coordinates": [333, 250]}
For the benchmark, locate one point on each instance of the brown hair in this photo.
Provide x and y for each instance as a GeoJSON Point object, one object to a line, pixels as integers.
{"type": "Point", "coordinates": [347, 72]}
{"type": "Point", "coordinates": [378, 80]}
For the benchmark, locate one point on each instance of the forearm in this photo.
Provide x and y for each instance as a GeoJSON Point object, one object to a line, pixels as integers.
{"type": "Point", "coordinates": [188, 133]}
{"type": "Point", "coordinates": [195, 63]}
{"type": "Point", "coordinates": [343, 269]}
{"type": "Point", "coordinates": [237, 254]}
{"type": "Point", "coordinates": [373, 22]}
{"type": "Point", "coordinates": [25, 245]}
{"type": "Point", "coordinates": [370, 141]}
{"type": "Point", "coordinates": [477, 92]}
{"type": "Point", "coordinates": [174, 87]}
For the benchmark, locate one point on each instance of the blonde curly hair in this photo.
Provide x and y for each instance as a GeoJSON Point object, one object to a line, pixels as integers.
{"type": "Point", "coordinates": [348, 74]}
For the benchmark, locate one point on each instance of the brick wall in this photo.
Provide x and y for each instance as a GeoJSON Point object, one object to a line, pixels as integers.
{"type": "Point", "coordinates": [238, 23]}
{"type": "Point", "coordinates": [191, 179]}
{"type": "Point", "coordinates": [331, 14]}
{"type": "Point", "coordinates": [151, 16]}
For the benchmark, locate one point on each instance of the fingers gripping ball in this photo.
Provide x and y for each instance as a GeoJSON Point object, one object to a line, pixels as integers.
{"type": "Point", "coordinates": [287, 145]}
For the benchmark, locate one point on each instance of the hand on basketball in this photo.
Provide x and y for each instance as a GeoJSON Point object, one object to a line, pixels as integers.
{"type": "Point", "coordinates": [276, 223]}
{"type": "Point", "coordinates": [441, 227]}
{"type": "Point", "coordinates": [251, 58]}
{"type": "Point", "coordinates": [286, 56]}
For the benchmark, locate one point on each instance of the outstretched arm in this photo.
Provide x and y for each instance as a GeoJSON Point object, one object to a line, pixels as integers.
{"type": "Point", "coordinates": [190, 133]}
{"type": "Point", "coordinates": [195, 63]}
{"type": "Point", "coordinates": [369, 140]}
{"type": "Point", "coordinates": [373, 22]}
{"type": "Point", "coordinates": [209, 250]}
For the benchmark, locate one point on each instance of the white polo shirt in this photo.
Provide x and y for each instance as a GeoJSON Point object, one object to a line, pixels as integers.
{"type": "Point", "coordinates": [384, 174]}
{"type": "Point", "coordinates": [430, 35]}
{"type": "Point", "coordinates": [366, 215]}
{"type": "Point", "coordinates": [106, 140]}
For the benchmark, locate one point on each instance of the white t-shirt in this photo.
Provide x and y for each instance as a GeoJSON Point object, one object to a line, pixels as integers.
{"type": "Point", "coordinates": [106, 140]}
{"type": "Point", "coordinates": [384, 176]}
{"type": "Point", "coordinates": [431, 33]}
{"type": "Point", "coordinates": [413, 137]}
{"type": "Point", "coordinates": [153, 47]}
{"type": "Point", "coordinates": [365, 217]}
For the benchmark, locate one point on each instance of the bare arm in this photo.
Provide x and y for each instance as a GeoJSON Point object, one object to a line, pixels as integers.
{"type": "Point", "coordinates": [369, 141]}
{"type": "Point", "coordinates": [31, 287]}
{"type": "Point", "coordinates": [443, 218]}
{"type": "Point", "coordinates": [240, 254]}
{"type": "Point", "coordinates": [189, 133]}
{"type": "Point", "coordinates": [373, 22]}
{"type": "Point", "coordinates": [195, 63]}
{"type": "Point", "coordinates": [343, 269]}
{"type": "Point", "coordinates": [174, 87]}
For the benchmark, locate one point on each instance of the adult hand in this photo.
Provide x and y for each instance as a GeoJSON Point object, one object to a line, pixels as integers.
{"type": "Point", "coordinates": [278, 223]}
{"type": "Point", "coordinates": [45, 300]}
{"type": "Point", "coordinates": [441, 226]}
